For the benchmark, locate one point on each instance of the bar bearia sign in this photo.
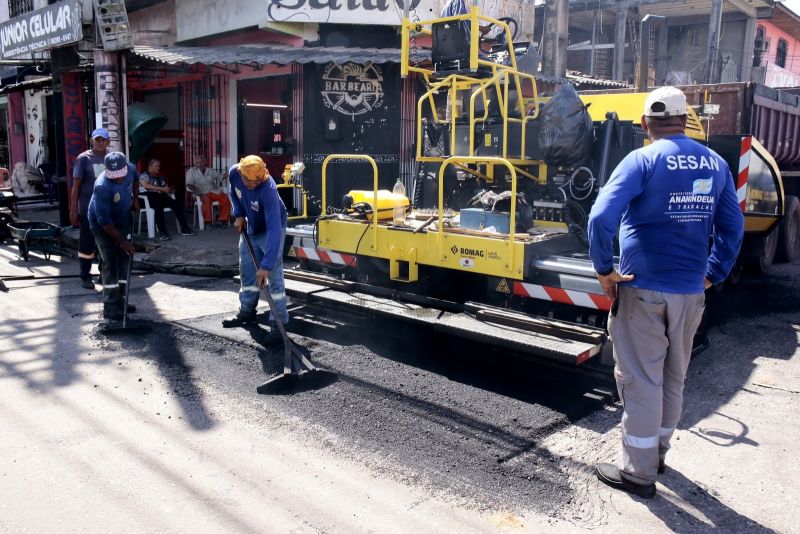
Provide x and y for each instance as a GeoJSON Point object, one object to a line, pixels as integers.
{"type": "Point", "coordinates": [50, 27]}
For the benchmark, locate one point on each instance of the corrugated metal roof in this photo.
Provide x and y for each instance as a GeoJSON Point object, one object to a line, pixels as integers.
{"type": "Point", "coordinates": [585, 80]}
{"type": "Point", "coordinates": [264, 54]}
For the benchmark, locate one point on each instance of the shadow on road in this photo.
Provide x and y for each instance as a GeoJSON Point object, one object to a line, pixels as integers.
{"type": "Point", "coordinates": [718, 515]}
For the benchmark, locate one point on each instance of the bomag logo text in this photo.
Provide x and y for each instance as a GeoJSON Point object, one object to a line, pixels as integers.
{"type": "Point", "coordinates": [471, 252]}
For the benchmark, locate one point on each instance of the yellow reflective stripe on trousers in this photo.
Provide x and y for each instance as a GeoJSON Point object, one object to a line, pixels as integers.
{"type": "Point", "coordinates": [666, 431]}
{"type": "Point", "coordinates": [278, 296]}
{"type": "Point", "coordinates": [249, 289]}
{"type": "Point", "coordinates": [637, 442]}
{"type": "Point", "coordinates": [111, 286]}
{"type": "Point", "coordinates": [85, 256]}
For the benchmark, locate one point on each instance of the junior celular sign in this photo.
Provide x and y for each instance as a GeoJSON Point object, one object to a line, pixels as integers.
{"type": "Point", "coordinates": [51, 27]}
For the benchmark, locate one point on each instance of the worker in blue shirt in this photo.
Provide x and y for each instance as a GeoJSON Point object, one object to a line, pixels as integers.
{"type": "Point", "coordinates": [260, 212]}
{"type": "Point", "coordinates": [109, 214]}
{"type": "Point", "coordinates": [667, 199]}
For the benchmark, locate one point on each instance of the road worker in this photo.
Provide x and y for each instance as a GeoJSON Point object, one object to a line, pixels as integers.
{"type": "Point", "coordinates": [254, 197]}
{"type": "Point", "coordinates": [88, 166]}
{"type": "Point", "coordinates": [669, 197]}
{"type": "Point", "coordinates": [109, 214]}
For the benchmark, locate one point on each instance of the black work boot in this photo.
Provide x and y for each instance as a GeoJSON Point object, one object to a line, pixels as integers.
{"type": "Point", "coordinates": [274, 336]}
{"type": "Point", "coordinates": [240, 319]}
{"type": "Point", "coordinates": [662, 466]}
{"type": "Point", "coordinates": [610, 475]}
{"type": "Point", "coordinates": [112, 313]}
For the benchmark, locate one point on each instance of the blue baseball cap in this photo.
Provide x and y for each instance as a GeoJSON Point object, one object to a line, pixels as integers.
{"type": "Point", "coordinates": [116, 165]}
{"type": "Point", "coordinates": [100, 132]}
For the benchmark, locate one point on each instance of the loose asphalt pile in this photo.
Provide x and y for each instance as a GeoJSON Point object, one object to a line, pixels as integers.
{"type": "Point", "coordinates": [451, 416]}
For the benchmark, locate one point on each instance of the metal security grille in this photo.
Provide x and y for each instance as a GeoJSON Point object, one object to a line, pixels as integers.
{"type": "Point", "coordinates": [19, 7]}
{"type": "Point", "coordinates": [206, 116]}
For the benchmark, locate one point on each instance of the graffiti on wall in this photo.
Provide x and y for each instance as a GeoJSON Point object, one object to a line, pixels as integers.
{"type": "Point", "coordinates": [107, 96]}
{"type": "Point", "coordinates": [352, 89]}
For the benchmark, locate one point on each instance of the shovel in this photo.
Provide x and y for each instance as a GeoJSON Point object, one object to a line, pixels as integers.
{"type": "Point", "coordinates": [126, 328]}
{"type": "Point", "coordinates": [298, 371]}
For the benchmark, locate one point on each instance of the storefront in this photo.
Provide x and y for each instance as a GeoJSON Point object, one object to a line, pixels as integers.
{"type": "Point", "coordinates": [284, 103]}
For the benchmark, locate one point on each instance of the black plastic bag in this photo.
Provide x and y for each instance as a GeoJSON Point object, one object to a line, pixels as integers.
{"type": "Point", "coordinates": [565, 136]}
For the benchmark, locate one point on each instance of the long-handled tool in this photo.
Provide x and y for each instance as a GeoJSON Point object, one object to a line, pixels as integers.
{"type": "Point", "coordinates": [23, 277]}
{"type": "Point", "coordinates": [298, 371]}
{"type": "Point", "coordinates": [127, 328]}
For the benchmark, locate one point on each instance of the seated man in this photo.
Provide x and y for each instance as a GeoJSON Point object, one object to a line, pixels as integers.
{"type": "Point", "coordinates": [207, 184]}
{"type": "Point", "coordinates": [159, 196]}
{"type": "Point", "coordinates": [454, 8]}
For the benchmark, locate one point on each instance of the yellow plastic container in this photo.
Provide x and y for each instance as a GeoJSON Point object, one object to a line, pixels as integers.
{"type": "Point", "coordinates": [386, 201]}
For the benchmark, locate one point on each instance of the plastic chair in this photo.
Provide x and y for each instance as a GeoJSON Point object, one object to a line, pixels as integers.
{"type": "Point", "coordinates": [198, 212]}
{"type": "Point", "coordinates": [150, 213]}
{"type": "Point", "coordinates": [48, 172]}
{"type": "Point", "coordinates": [5, 180]}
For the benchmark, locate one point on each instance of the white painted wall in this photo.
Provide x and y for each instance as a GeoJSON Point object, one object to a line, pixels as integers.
{"type": "Point", "coordinates": [200, 18]}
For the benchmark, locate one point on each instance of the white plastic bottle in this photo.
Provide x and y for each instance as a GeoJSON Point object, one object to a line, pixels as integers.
{"type": "Point", "coordinates": [399, 213]}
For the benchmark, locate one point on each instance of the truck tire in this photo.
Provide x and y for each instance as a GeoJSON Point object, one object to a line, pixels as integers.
{"type": "Point", "coordinates": [760, 264]}
{"type": "Point", "coordinates": [789, 237]}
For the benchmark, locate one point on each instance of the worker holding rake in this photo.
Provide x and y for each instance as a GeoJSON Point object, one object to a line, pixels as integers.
{"type": "Point", "coordinates": [260, 212]}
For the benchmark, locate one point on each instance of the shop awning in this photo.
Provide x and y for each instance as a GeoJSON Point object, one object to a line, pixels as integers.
{"type": "Point", "coordinates": [38, 83]}
{"type": "Point", "coordinates": [265, 54]}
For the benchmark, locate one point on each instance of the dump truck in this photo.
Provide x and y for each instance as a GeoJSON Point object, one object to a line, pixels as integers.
{"type": "Point", "coordinates": [493, 246]}
{"type": "Point", "coordinates": [772, 116]}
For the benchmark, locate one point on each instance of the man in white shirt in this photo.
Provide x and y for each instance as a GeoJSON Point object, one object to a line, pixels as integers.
{"type": "Point", "coordinates": [207, 184]}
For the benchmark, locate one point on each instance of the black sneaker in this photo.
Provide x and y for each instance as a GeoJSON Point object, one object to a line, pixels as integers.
{"type": "Point", "coordinates": [86, 283]}
{"type": "Point", "coordinates": [610, 475]}
{"type": "Point", "coordinates": [187, 231]}
{"type": "Point", "coordinates": [240, 319]}
{"type": "Point", "coordinates": [163, 237]}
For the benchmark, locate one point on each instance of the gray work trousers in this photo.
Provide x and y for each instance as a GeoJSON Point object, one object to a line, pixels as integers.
{"type": "Point", "coordinates": [115, 269]}
{"type": "Point", "coordinates": [652, 333]}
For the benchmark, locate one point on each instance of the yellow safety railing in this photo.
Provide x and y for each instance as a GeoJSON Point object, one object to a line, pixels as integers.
{"type": "Point", "coordinates": [371, 161]}
{"type": "Point", "coordinates": [489, 160]}
{"type": "Point", "coordinates": [303, 195]}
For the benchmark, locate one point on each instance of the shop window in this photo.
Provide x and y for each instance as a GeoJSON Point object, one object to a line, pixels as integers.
{"type": "Point", "coordinates": [19, 7]}
{"type": "Point", "coordinates": [780, 53]}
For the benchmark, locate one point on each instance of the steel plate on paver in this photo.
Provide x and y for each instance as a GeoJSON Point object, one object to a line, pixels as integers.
{"type": "Point", "coordinates": [458, 324]}
{"type": "Point", "coordinates": [469, 327]}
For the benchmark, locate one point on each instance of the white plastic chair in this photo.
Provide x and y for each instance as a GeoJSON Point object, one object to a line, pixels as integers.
{"type": "Point", "coordinates": [151, 216]}
{"type": "Point", "coordinates": [198, 212]}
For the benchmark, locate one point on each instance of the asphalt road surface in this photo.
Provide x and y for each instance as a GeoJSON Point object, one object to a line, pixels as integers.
{"type": "Point", "coordinates": [429, 433]}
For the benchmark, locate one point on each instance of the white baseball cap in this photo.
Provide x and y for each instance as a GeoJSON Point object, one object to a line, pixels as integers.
{"type": "Point", "coordinates": [665, 102]}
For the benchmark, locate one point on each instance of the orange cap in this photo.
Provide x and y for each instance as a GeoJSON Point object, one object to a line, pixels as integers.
{"type": "Point", "coordinates": [253, 168]}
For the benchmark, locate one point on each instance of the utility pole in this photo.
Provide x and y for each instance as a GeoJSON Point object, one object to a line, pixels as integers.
{"type": "Point", "coordinates": [619, 39]}
{"type": "Point", "coordinates": [714, 27]}
{"type": "Point", "coordinates": [554, 56]}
